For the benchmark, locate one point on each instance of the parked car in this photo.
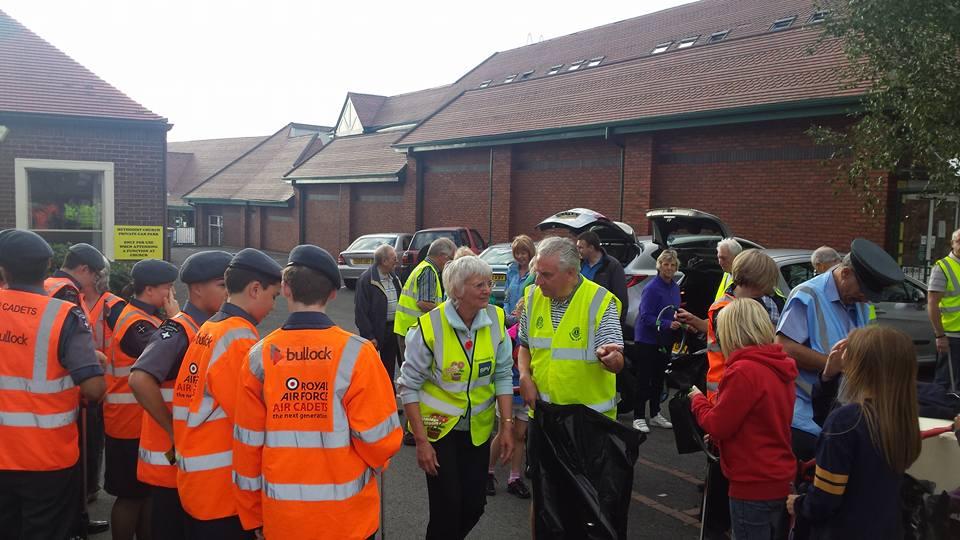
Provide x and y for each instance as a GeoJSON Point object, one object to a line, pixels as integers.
{"type": "Point", "coordinates": [903, 306]}
{"type": "Point", "coordinates": [417, 250]}
{"type": "Point", "coordinates": [498, 256]}
{"type": "Point", "coordinates": [359, 255]}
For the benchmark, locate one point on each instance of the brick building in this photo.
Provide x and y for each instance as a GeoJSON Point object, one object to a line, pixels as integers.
{"type": "Point", "coordinates": [705, 105]}
{"type": "Point", "coordinates": [77, 156]}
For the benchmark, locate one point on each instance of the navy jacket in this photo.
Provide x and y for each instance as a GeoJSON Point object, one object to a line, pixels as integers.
{"type": "Point", "coordinates": [370, 304]}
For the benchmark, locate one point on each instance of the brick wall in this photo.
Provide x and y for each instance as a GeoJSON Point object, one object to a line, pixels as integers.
{"type": "Point", "coordinates": [456, 189]}
{"type": "Point", "coordinates": [137, 152]}
{"type": "Point", "coordinates": [323, 216]}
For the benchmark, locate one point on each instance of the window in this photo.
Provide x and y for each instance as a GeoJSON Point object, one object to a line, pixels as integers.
{"type": "Point", "coordinates": [215, 232]}
{"type": "Point", "coordinates": [576, 65]}
{"type": "Point", "coordinates": [661, 47]}
{"type": "Point", "coordinates": [485, 83]}
{"type": "Point", "coordinates": [781, 24]}
{"type": "Point", "coordinates": [526, 74]}
{"type": "Point", "coordinates": [555, 69]}
{"type": "Point", "coordinates": [795, 274]}
{"type": "Point", "coordinates": [718, 36]}
{"type": "Point", "coordinates": [66, 201]}
{"type": "Point", "coordinates": [510, 78]}
{"type": "Point", "coordinates": [687, 42]}
{"type": "Point", "coordinates": [594, 62]}
{"type": "Point", "coordinates": [903, 293]}
{"type": "Point", "coordinates": [818, 16]}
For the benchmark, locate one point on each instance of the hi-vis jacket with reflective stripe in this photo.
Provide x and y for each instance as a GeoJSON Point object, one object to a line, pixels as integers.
{"type": "Point", "coordinates": [407, 310]}
{"type": "Point", "coordinates": [204, 403]}
{"type": "Point", "coordinates": [316, 418]}
{"type": "Point", "coordinates": [826, 325]}
{"type": "Point", "coordinates": [715, 358]}
{"type": "Point", "coordinates": [97, 315]}
{"type": "Point", "coordinates": [122, 415]}
{"type": "Point", "coordinates": [38, 400]}
{"type": "Point", "coordinates": [725, 282]}
{"type": "Point", "coordinates": [950, 303]}
{"type": "Point", "coordinates": [153, 467]}
{"type": "Point", "coordinates": [451, 390]}
{"type": "Point", "coordinates": [564, 362]}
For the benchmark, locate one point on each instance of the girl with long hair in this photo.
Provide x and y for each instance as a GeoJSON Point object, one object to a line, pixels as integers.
{"type": "Point", "coordinates": [867, 443]}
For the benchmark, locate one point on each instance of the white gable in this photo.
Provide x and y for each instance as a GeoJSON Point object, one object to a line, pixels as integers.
{"type": "Point", "coordinates": [349, 123]}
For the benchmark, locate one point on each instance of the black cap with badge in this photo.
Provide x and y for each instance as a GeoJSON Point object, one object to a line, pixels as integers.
{"type": "Point", "coordinates": [88, 255]}
{"type": "Point", "coordinates": [204, 266]}
{"type": "Point", "coordinates": [318, 259]}
{"type": "Point", "coordinates": [874, 268]}
{"type": "Point", "coordinates": [153, 272]}
{"type": "Point", "coordinates": [257, 261]}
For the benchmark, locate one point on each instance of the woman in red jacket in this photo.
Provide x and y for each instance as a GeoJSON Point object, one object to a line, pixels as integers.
{"type": "Point", "coordinates": [750, 421]}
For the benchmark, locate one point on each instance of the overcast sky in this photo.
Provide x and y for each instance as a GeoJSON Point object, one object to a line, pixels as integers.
{"type": "Point", "coordinates": [239, 68]}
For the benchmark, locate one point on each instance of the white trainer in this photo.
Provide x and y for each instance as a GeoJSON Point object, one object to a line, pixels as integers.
{"type": "Point", "coordinates": [641, 425]}
{"type": "Point", "coordinates": [660, 421]}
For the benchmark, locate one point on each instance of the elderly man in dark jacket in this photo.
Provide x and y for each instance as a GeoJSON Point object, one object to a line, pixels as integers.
{"type": "Point", "coordinates": [378, 290]}
{"type": "Point", "coordinates": [602, 269]}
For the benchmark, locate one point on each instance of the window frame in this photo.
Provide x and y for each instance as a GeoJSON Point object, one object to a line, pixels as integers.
{"type": "Point", "coordinates": [718, 36]}
{"type": "Point", "coordinates": [784, 22]}
{"type": "Point", "coordinates": [661, 48]}
{"type": "Point", "coordinates": [22, 166]}
{"type": "Point", "coordinates": [688, 42]}
{"type": "Point", "coordinates": [555, 69]}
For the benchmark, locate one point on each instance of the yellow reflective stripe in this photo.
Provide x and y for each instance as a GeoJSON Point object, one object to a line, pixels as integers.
{"type": "Point", "coordinates": [834, 478]}
{"type": "Point", "coordinates": [832, 489]}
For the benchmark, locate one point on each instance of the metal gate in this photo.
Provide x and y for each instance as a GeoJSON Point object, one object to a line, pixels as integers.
{"type": "Point", "coordinates": [925, 228]}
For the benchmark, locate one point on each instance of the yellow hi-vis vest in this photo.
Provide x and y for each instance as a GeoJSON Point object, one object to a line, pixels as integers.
{"type": "Point", "coordinates": [407, 310]}
{"type": "Point", "coordinates": [564, 361]}
{"type": "Point", "coordinates": [725, 282]}
{"type": "Point", "coordinates": [457, 383]}
{"type": "Point", "coordinates": [950, 303]}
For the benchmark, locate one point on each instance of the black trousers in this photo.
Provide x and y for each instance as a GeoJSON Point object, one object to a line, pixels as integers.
{"type": "Point", "coordinates": [389, 350]}
{"type": "Point", "coordinates": [228, 528]}
{"type": "Point", "coordinates": [94, 446]}
{"type": "Point", "coordinates": [946, 363]}
{"type": "Point", "coordinates": [458, 493]}
{"type": "Point", "coordinates": [649, 367]}
{"type": "Point", "coordinates": [168, 520]}
{"type": "Point", "coordinates": [39, 505]}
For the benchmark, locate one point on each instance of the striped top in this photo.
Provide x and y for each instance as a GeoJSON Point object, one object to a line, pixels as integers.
{"type": "Point", "coordinates": [607, 332]}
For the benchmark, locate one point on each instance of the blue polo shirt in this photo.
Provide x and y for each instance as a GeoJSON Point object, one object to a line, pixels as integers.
{"type": "Point", "coordinates": [590, 271]}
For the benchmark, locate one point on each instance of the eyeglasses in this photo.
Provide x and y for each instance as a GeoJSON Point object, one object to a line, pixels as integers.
{"type": "Point", "coordinates": [483, 285]}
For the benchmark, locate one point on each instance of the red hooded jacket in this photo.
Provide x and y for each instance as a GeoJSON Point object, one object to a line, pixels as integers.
{"type": "Point", "coordinates": [750, 422]}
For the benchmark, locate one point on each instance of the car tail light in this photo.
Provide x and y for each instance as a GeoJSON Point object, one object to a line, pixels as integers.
{"type": "Point", "coordinates": [341, 260]}
{"type": "Point", "coordinates": [634, 280]}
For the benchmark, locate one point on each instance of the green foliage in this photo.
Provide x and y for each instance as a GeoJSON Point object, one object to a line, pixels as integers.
{"type": "Point", "coordinates": [119, 270]}
{"type": "Point", "coordinates": [909, 54]}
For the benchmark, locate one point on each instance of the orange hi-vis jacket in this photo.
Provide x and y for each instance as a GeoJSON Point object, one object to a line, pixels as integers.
{"type": "Point", "coordinates": [715, 359]}
{"type": "Point", "coordinates": [122, 414]}
{"type": "Point", "coordinates": [204, 401]}
{"type": "Point", "coordinates": [316, 419]}
{"type": "Point", "coordinates": [38, 399]}
{"type": "Point", "coordinates": [53, 285]}
{"type": "Point", "coordinates": [153, 467]}
{"type": "Point", "coordinates": [97, 315]}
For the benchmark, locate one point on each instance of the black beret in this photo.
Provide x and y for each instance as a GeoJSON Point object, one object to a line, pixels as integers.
{"type": "Point", "coordinates": [204, 266]}
{"type": "Point", "coordinates": [875, 268]}
{"type": "Point", "coordinates": [317, 259]}
{"type": "Point", "coordinates": [153, 272]}
{"type": "Point", "coordinates": [20, 244]}
{"type": "Point", "coordinates": [255, 260]}
{"type": "Point", "coordinates": [88, 255]}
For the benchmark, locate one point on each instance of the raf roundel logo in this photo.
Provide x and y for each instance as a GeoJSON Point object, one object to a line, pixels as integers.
{"type": "Point", "coordinates": [292, 383]}
{"type": "Point", "coordinates": [540, 321]}
{"type": "Point", "coordinates": [193, 369]}
{"type": "Point", "coordinates": [575, 334]}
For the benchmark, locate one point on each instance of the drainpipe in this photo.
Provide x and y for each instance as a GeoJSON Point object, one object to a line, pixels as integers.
{"type": "Point", "coordinates": [418, 218]}
{"type": "Point", "coordinates": [301, 212]}
{"type": "Point", "coordinates": [623, 157]}
{"type": "Point", "coordinates": [490, 213]}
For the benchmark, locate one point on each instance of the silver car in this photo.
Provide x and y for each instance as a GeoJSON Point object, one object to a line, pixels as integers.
{"type": "Point", "coordinates": [903, 306]}
{"type": "Point", "coordinates": [499, 257]}
{"type": "Point", "coordinates": [359, 256]}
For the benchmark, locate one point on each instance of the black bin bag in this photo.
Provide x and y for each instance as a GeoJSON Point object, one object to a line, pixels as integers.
{"type": "Point", "coordinates": [581, 465]}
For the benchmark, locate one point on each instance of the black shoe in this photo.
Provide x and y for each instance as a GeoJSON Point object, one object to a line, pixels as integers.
{"type": "Point", "coordinates": [519, 488]}
{"type": "Point", "coordinates": [97, 527]}
{"type": "Point", "coordinates": [491, 485]}
{"type": "Point", "coordinates": [408, 439]}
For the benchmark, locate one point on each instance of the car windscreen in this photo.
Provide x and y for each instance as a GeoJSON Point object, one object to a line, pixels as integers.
{"type": "Point", "coordinates": [425, 238]}
{"type": "Point", "coordinates": [370, 243]}
{"type": "Point", "coordinates": [498, 255]}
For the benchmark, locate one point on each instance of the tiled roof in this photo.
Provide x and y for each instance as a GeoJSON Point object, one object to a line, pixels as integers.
{"type": "Point", "coordinates": [354, 156]}
{"type": "Point", "coordinates": [366, 106]}
{"type": "Point", "coordinates": [257, 176]}
{"type": "Point", "coordinates": [766, 69]}
{"type": "Point", "coordinates": [637, 37]}
{"type": "Point", "coordinates": [410, 108]}
{"type": "Point", "coordinates": [191, 162]}
{"type": "Point", "coordinates": [36, 77]}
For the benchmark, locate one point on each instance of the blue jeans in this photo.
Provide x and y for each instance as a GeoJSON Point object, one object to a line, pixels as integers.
{"type": "Point", "coordinates": [757, 520]}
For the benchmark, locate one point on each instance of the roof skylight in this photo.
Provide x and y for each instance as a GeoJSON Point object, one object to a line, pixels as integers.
{"type": "Point", "coordinates": [576, 65]}
{"type": "Point", "coordinates": [818, 16]}
{"type": "Point", "coordinates": [687, 42]}
{"type": "Point", "coordinates": [783, 23]}
{"type": "Point", "coordinates": [717, 36]}
{"type": "Point", "coordinates": [555, 69]}
{"type": "Point", "coordinates": [661, 47]}
{"type": "Point", "coordinates": [510, 78]}
{"type": "Point", "coordinates": [594, 62]}
{"type": "Point", "coordinates": [485, 83]}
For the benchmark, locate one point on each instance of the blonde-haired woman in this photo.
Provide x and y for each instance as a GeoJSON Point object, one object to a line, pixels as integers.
{"type": "Point", "coordinates": [750, 420]}
{"type": "Point", "coordinates": [868, 443]}
{"type": "Point", "coordinates": [524, 251]}
{"type": "Point", "coordinates": [652, 337]}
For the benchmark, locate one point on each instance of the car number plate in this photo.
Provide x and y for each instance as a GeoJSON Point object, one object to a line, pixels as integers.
{"type": "Point", "coordinates": [499, 277]}
{"type": "Point", "coordinates": [363, 260]}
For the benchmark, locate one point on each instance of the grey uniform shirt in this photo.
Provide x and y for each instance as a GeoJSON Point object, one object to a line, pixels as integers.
{"type": "Point", "coordinates": [163, 354]}
{"type": "Point", "coordinates": [427, 285]}
{"type": "Point", "coordinates": [938, 283]}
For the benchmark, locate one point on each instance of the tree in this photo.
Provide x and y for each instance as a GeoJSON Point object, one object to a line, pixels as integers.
{"type": "Point", "coordinates": [908, 52]}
